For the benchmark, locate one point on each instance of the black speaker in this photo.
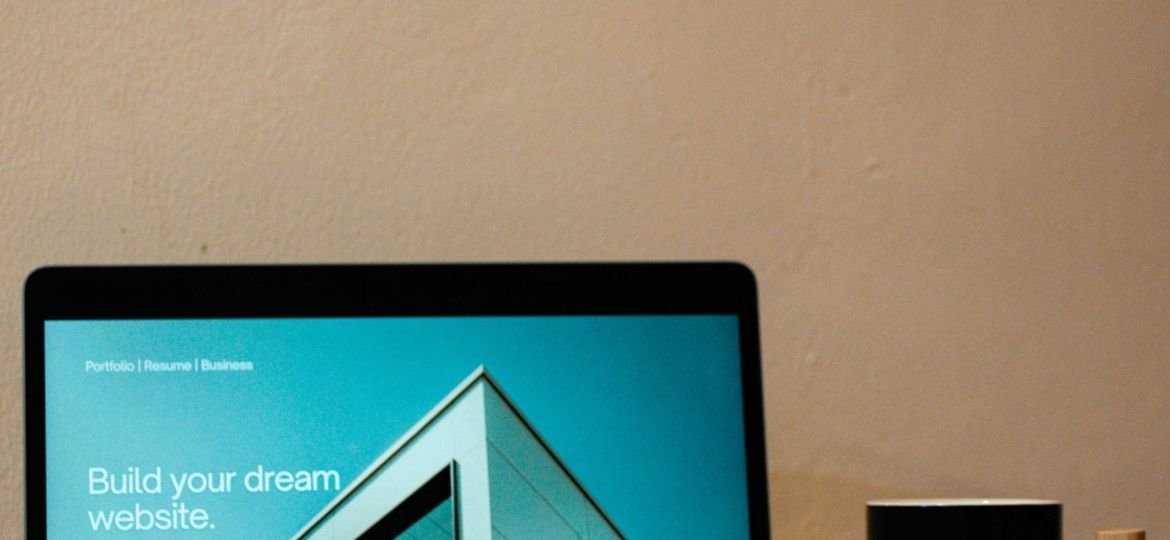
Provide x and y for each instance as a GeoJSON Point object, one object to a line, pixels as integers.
{"type": "Point", "coordinates": [964, 519]}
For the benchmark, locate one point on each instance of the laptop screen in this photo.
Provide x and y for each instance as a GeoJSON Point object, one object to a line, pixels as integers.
{"type": "Point", "coordinates": [534, 401]}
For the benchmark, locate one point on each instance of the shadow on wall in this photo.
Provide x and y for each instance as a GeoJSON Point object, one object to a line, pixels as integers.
{"type": "Point", "coordinates": [807, 506]}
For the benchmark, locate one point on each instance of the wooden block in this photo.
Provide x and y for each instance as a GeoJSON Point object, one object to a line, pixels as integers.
{"type": "Point", "coordinates": [1122, 534]}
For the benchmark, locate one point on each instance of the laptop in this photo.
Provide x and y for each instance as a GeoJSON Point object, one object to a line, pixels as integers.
{"type": "Point", "coordinates": [518, 401]}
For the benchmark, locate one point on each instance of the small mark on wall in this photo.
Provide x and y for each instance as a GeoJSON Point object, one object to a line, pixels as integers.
{"type": "Point", "coordinates": [873, 170]}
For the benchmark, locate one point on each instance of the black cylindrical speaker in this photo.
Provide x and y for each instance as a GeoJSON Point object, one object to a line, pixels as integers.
{"type": "Point", "coordinates": [964, 519]}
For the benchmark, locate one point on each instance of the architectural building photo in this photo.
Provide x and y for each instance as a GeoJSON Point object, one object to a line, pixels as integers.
{"type": "Point", "coordinates": [472, 468]}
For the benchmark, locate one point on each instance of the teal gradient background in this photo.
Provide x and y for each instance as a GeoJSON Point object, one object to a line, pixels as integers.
{"type": "Point", "coordinates": [644, 410]}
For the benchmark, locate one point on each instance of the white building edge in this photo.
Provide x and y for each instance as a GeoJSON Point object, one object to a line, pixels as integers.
{"type": "Point", "coordinates": [478, 466]}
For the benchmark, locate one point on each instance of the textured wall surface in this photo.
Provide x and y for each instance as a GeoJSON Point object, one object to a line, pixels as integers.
{"type": "Point", "coordinates": [959, 214]}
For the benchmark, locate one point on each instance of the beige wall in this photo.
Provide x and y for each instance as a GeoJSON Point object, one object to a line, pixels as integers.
{"type": "Point", "coordinates": [959, 213]}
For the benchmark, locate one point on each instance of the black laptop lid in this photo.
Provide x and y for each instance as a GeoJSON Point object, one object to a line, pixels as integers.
{"type": "Point", "coordinates": [434, 401]}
